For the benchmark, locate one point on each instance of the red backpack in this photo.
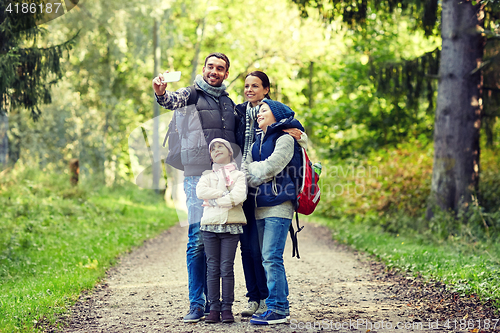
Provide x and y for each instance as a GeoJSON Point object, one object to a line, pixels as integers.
{"type": "Point", "coordinates": [308, 196]}
{"type": "Point", "coordinates": [309, 193]}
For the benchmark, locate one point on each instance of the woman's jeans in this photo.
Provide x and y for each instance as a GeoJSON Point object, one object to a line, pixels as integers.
{"type": "Point", "coordinates": [273, 232]}
{"type": "Point", "coordinates": [195, 254]}
{"type": "Point", "coordinates": [220, 249]}
{"type": "Point", "coordinates": [251, 257]}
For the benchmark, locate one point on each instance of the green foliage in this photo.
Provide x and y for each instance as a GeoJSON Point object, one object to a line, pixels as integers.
{"type": "Point", "coordinates": [397, 180]}
{"type": "Point", "coordinates": [106, 90]}
{"type": "Point", "coordinates": [57, 240]}
{"type": "Point", "coordinates": [355, 13]}
{"type": "Point", "coordinates": [28, 70]}
{"type": "Point", "coordinates": [350, 114]}
{"type": "Point", "coordinates": [387, 180]}
{"type": "Point", "coordinates": [489, 181]}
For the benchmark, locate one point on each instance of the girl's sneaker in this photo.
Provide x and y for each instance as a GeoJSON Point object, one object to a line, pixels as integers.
{"type": "Point", "coordinates": [268, 318]}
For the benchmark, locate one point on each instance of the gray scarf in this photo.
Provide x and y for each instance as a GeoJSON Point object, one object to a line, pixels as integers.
{"type": "Point", "coordinates": [211, 90]}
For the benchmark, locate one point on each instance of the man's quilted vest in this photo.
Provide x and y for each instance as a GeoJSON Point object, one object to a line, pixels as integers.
{"type": "Point", "coordinates": [213, 119]}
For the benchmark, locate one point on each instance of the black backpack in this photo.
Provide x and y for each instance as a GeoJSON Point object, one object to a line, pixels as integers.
{"type": "Point", "coordinates": [174, 138]}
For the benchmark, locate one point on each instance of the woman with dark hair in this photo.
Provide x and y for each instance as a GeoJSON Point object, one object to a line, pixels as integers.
{"type": "Point", "coordinates": [257, 87]}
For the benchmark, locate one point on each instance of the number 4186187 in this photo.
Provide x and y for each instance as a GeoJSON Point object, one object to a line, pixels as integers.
{"type": "Point", "coordinates": [32, 8]}
{"type": "Point", "coordinates": [471, 324]}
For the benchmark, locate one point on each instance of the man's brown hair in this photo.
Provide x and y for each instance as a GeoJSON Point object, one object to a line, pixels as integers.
{"type": "Point", "coordinates": [219, 56]}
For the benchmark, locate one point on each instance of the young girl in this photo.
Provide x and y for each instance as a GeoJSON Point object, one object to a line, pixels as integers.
{"type": "Point", "coordinates": [223, 190]}
{"type": "Point", "coordinates": [273, 165]}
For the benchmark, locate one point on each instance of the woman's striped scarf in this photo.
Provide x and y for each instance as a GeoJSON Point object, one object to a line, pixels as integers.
{"type": "Point", "coordinates": [250, 131]}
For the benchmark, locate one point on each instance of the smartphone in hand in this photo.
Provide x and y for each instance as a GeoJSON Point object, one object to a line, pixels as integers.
{"type": "Point", "coordinates": [171, 77]}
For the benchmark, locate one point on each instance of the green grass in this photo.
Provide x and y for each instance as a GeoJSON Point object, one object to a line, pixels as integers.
{"type": "Point", "coordinates": [466, 267]}
{"type": "Point", "coordinates": [57, 240]}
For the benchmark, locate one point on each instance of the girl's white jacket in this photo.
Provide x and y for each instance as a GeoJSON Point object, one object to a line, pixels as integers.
{"type": "Point", "coordinates": [229, 208]}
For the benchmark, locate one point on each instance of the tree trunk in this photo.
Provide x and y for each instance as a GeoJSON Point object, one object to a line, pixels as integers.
{"type": "Point", "coordinates": [4, 141]}
{"type": "Point", "coordinates": [455, 172]}
{"type": "Point", "coordinates": [156, 110]}
{"type": "Point", "coordinates": [200, 30]}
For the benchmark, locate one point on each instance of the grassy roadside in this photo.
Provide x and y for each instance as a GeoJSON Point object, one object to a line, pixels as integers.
{"type": "Point", "coordinates": [469, 268]}
{"type": "Point", "coordinates": [377, 203]}
{"type": "Point", "coordinates": [56, 240]}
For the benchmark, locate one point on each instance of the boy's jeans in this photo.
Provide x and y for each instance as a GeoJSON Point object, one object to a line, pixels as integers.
{"type": "Point", "coordinates": [273, 232]}
{"type": "Point", "coordinates": [195, 254]}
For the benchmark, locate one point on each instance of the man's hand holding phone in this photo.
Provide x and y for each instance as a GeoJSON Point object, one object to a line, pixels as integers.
{"type": "Point", "coordinates": [160, 82]}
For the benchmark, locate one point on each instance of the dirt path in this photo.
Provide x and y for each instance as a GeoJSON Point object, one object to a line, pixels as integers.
{"type": "Point", "coordinates": [331, 289]}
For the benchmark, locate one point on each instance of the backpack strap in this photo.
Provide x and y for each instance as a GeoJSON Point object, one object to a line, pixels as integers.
{"type": "Point", "coordinates": [171, 127]}
{"type": "Point", "coordinates": [193, 96]}
{"type": "Point", "coordinates": [293, 236]}
{"type": "Point", "coordinates": [293, 233]}
{"type": "Point", "coordinates": [193, 99]}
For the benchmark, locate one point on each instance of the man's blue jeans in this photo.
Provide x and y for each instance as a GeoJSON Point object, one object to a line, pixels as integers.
{"type": "Point", "coordinates": [195, 254]}
{"type": "Point", "coordinates": [273, 232]}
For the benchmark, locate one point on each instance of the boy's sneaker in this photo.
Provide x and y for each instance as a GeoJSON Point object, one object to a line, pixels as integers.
{"type": "Point", "coordinates": [194, 315]}
{"type": "Point", "coordinates": [252, 306]}
{"type": "Point", "coordinates": [268, 318]}
{"type": "Point", "coordinates": [262, 307]}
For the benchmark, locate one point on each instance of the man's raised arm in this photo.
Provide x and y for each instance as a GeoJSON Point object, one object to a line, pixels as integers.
{"type": "Point", "coordinates": [168, 99]}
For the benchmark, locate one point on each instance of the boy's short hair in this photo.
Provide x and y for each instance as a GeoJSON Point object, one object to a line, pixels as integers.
{"type": "Point", "coordinates": [219, 56]}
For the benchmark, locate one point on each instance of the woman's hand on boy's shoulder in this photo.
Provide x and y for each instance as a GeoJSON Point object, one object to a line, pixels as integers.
{"type": "Point", "coordinates": [294, 132]}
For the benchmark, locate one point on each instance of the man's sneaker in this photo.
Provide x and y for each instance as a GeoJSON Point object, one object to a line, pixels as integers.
{"type": "Point", "coordinates": [207, 309]}
{"type": "Point", "coordinates": [262, 307]}
{"type": "Point", "coordinates": [252, 306]}
{"type": "Point", "coordinates": [268, 318]}
{"type": "Point", "coordinates": [194, 315]}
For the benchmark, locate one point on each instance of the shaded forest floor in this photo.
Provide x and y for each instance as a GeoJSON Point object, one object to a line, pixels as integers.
{"type": "Point", "coordinates": [331, 287]}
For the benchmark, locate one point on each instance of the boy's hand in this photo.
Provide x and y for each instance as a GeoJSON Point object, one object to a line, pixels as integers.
{"type": "Point", "coordinates": [158, 86]}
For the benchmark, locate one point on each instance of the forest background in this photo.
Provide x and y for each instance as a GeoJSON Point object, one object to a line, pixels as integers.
{"type": "Point", "coordinates": [373, 137]}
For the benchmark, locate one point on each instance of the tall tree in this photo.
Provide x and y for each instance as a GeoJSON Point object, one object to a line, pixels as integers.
{"type": "Point", "coordinates": [455, 173]}
{"type": "Point", "coordinates": [459, 104]}
{"type": "Point", "coordinates": [27, 71]}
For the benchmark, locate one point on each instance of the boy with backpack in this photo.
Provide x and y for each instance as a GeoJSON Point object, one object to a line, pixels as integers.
{"type": "Point", "coordinates": [273, 169]}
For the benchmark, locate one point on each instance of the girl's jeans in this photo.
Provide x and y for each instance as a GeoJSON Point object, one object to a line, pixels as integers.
{"type": "Point", "coordinates": [221, 250]}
